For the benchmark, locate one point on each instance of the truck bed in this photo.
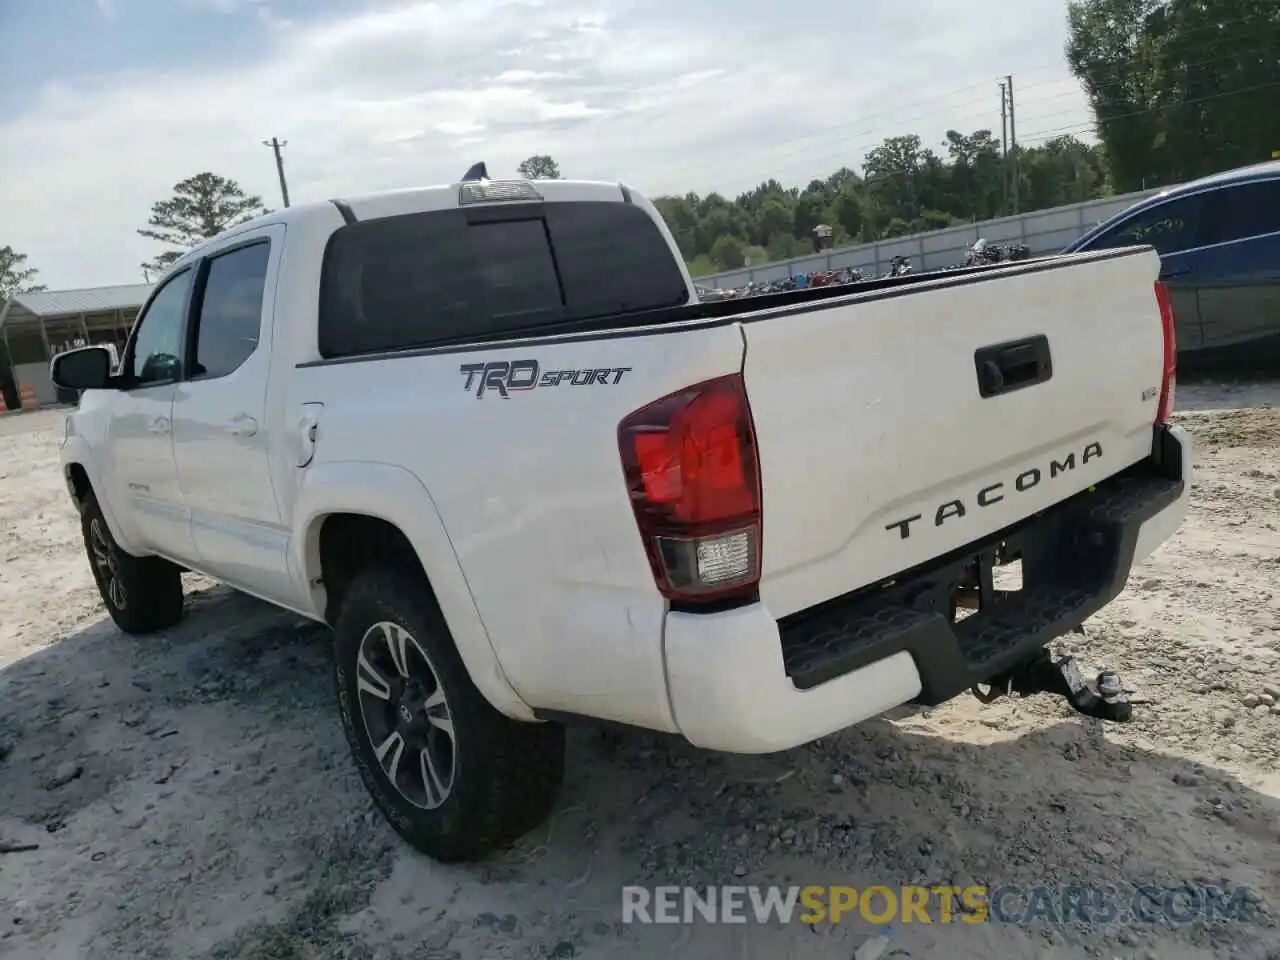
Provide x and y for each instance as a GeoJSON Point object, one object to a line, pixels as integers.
{"type": "Point", "coordinates": [867, 411]}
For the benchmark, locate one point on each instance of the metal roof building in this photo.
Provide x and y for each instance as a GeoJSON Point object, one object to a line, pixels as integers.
{"type": "Point", "coordinates": [35, 326]}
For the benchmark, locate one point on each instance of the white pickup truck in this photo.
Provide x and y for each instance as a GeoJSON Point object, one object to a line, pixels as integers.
{"type": "Point", "coordinates": [487, 433]}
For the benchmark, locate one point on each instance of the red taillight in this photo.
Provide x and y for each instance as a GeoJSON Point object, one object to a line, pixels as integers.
{"type": "Point", "coordinates": [1169, 370]}
{"type": "Point", "coordinates": [690, 464]}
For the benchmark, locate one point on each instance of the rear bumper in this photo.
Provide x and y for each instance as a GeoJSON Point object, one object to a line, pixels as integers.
{"type": "Point", "coordinates": [742, 682]}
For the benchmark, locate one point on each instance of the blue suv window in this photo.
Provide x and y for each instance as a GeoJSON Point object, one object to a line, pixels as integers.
{"type": "Point", "coordinates": [1246, 210]}
{"type": "Point", "coordinates": [1169, 227]}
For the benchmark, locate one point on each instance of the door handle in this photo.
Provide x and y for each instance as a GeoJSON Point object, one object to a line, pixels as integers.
{"type": "Point", "coordinates": [242, 426]}
{"type": "Point", "coordinates": [159, 425]}
{"type": "Point", "coordinates": [308, 431]}
{"type": "Point", "coordinates": [1004, 367]}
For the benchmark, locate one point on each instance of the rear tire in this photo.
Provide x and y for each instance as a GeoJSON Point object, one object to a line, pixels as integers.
{"type": "Point", "coordinates": [453, 776]}
{"type": "Point", "coordinates": [142, 594]}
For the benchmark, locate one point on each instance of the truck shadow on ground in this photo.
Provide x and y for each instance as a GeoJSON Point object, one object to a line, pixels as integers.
{"type": "Point", "coordinates": [190, 794]}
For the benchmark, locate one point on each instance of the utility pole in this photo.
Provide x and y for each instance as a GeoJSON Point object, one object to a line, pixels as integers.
{"type": "Point", "coordinates": [275, 146]}
{"type": "Point", "coordinates": [1013, 142]}
{"type": "Point", "coordinates": [1004, 148]}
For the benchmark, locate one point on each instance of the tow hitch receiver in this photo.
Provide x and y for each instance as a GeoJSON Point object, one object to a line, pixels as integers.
{"type": "Point", "coordinates": [1043, 674]}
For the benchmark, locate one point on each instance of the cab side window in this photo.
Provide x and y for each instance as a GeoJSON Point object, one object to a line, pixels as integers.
{"type": "Point", "coordinates": [1169, 227]}
{"type": "Point", "coordinates": [156, 354]}
{"type": "Point", "coordinates": [229, 321]}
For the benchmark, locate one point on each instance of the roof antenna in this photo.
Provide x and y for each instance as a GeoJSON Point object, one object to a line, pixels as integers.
{"type": "Point", "coordinates": [478, 171]}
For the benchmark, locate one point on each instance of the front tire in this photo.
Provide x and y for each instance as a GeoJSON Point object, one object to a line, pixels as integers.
{"type": "Point", "coordinates": [453, 776]}
{"type": "Point", "coordinates": [142, 594]}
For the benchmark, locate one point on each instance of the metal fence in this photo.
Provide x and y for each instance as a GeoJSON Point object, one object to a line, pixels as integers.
{"type": "Point", "coordinates": [1045, 231]}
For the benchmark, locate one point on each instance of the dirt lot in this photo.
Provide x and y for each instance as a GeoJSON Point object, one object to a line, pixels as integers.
{"type": "Point", "coordinates": [190, 795]}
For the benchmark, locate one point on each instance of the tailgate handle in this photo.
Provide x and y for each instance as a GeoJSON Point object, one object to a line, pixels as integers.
{"type": "Point", "coordinates": [1005, 367]}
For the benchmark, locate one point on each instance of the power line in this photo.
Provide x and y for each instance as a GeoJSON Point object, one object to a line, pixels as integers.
{"type": "Point", "coordinates": [1093, 124]}
{"type": "Point", "coordinates": [1058, 96]}
{"type": "Point", "coordinates": [858, 133]}
{"type": "Point", "coordinates": [824, 137]}
{"type": "Point", "coordinates": [866, 137]}
{"type": "Point", "coordinates": [861, 137]}
{"type": "Point", "coordinates": [1232, 44]}
{"type": "Point", "coordinates": [275, 146]}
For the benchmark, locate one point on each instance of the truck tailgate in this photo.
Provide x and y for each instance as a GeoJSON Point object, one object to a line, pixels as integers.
{"type": "Point", "coordinates": [878, 451]}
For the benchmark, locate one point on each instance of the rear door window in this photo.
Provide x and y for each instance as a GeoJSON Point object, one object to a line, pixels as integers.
{"type": "Point", "coordinates": [1246, 210]}
{"type": "Point", "coordinates": [432, 278]}
{"type": "Point", "coordinates": [229, 322]}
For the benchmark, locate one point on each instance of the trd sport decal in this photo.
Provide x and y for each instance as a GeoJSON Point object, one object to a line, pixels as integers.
{"type": "Point", "coordinates": [522, 375]}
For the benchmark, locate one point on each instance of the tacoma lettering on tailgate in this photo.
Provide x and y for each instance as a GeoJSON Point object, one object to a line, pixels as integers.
{"type": "Point", "coordinates": [993, 493]}
{"type": "Point", "coordinates": [522, 375]}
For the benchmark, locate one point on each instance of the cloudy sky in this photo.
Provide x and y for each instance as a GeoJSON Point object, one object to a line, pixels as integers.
{"type": "Point", "coordinates": [105, 104]}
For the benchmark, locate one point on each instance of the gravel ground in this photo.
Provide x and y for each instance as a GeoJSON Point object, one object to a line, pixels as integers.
{"type": "Point", "coordinates": [190, 795]}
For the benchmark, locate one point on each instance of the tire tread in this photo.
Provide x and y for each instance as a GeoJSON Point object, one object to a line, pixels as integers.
{"type": "Point", "coordinates": [518, 767]}
{"type": "Point", "coordinates": [153, 585]}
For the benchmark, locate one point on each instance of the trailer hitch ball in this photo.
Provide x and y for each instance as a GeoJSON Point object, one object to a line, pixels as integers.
{"type": "Point", "coordinates": [1109, 685]}
{"type": "Point", "coordinates": [1063, 678]}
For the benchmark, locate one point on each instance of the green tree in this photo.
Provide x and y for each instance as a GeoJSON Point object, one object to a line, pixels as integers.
{"type": "Point", "coordinates": [201, 208]}
{"type": "Point", "coordinates": [908, 189]}
{"type": "Point", "coordinates": [846, 210]}
{"type": "Point", "coordinates": [783, 246]}
{"type": "Point", "coordinates": [539, 167]}
{"type": "Point", "coordinates": [977, 187]}
{"type": "Point", "coordinates": [681, 215]}
{"type": "Point", "coordinates": [728, 253]}
{"type": "Point", "coordinates": [773, 218]}
{"type": "Point", "coordinates": [899, 175]}
{"type": "Point", "coordinates": [1062, 170]}
{"type": "Point", "coordinates": [1179, 88]}
{"type": "Point", "coordinates": [717, 218]}
{"type": "Point", "coordinates": [15, 275]}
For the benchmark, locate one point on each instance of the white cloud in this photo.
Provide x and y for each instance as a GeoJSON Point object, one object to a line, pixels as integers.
{"type": "Point", "coordinates": [718, 96]}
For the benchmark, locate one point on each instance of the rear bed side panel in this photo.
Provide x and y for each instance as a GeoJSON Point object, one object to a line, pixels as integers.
{"type": "Point", "coordinates": [869, 413]}
{"type": "Point", "coordinates": [531, 492]}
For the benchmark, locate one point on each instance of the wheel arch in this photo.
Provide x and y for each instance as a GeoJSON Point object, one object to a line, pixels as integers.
{"type": "Point", "coordinates": [352, 514]}
{"type": "Point", "coordinates": [81, 476]}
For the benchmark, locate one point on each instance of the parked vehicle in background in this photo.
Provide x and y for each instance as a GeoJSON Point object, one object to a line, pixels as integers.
{"type": "Point", "coordinates": [983, 252]}
{"type": "Point", "coordinates": [1219, 245]}
{"type": "Point", "coordinates": [711, 294]}
{"type": "Point", "coordinates": [898, 267]}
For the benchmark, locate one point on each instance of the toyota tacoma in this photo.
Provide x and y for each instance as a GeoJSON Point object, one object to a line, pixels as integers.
{"type": "Point", "coordinates": [486, 432]}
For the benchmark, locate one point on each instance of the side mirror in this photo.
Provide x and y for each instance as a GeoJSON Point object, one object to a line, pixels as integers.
{"type": "Point", "coordinates": [86, 368]}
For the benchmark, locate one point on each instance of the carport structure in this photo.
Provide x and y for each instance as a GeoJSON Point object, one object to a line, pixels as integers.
{"type": "Point", "coordinates": [36, 326]}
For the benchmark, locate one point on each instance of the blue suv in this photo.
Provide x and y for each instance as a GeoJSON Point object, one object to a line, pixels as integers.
{"type": "Point", "coordinates": [1219, 245]}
